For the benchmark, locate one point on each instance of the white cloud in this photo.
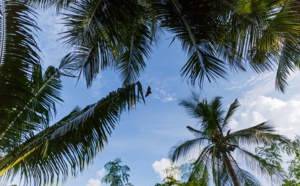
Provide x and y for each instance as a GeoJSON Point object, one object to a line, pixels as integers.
{"type": "Point", "coordinates": [101, 173]}
{"type": "Point", "coordinates": [233, 124]}
{"type": "Point", "coordinates": [97, 182]}
{"type": "Point", "coordinates": [94, 182]}
{"type": "Point", "coordinates": [284, 115]}
{"type": "Point", "coordinates": [161, 166]}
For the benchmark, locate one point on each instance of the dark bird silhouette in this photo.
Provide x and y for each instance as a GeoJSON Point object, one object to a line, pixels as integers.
{"type": "Point", "coordinates": [148, 91]}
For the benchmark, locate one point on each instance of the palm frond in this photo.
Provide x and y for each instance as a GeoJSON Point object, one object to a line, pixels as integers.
{"type": "Point", "coordinates": [191, 104]}
{"type": "Point", "coordinates": [35, 111]}
{"type": "Point", "coordinates": [67, 65]}
{"type": "Point", "coordinates": [245, 177]}
{"type": "Point", "coordinates": [288, 62]}
{"type": "Point", "coordinates": [26, 95]}
{"type": "Point", "coordinates": [47, 4]}
{"type": "Point", "coordinates": [137, 47]}
{"type": "Point", "coordinates": [19, 54]}
{"type": "Point", "coordinates": [273, 27]}
{"type": "Point", "coordinates": [261, 166]}
{"type": "Point", "coordinates": [108, 34]}
{"type": "Point", "coordinates": [185, 148]}
{"type": "Point", "coordinates": [72, 143]}
{"type": "Point", "coordinates": [217, 112]}
{"type": "Point", "coordinates": [210, 113]}
{"type": "Point", "coordinates": [191, 23]}
{"type": "Point", "coordinates": [199, 175]}
{"type": "Point", "coordinates": [259, 134]}
{"type": "Point", "coordinates": [197, 133]}
{"type": "Point", "coordinates": [232, 108]}
{"type": "Point", "coordinates": [205, 158]}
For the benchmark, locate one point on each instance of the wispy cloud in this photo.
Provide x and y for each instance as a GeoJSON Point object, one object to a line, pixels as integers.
{"type": "Point", "coordinates": [163, 95]}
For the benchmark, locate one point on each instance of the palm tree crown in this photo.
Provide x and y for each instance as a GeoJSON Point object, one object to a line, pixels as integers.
{"type": "Point", "coordinates": [219, 144]}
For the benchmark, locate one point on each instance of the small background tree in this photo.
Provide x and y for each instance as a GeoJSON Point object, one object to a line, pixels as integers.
{"type": "Point", "coordinates": [117, 175]}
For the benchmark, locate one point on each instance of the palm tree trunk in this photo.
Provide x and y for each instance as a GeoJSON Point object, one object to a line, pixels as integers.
{"type": "Point", "coordinates": [230, 170]}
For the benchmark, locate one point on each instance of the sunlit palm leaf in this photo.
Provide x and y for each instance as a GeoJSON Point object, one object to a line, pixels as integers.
{"type": "Point", "coordinates": [72, 143]}
{"type": "Point", "coordinates": [273, 27]}
{"type": "Point", "coordinates": [258, 134]}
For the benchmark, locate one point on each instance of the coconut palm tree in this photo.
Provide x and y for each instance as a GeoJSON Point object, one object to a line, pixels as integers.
{"type": "Point", "coordinates": [119, 34]}
{"type": "Point", "coordinates": [40, 151]}
{"type": "Point", "coordinates": [218, 35]}
{"type": "Point", "coordinates": [219, 150]}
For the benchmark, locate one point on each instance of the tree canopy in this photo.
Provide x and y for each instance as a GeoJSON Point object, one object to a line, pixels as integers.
{"type": "Point", "coordinates": [217, 36]}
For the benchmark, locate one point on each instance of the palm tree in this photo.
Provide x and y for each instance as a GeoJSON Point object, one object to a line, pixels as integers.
{"type": "Point", "coordinates": [218, 35]}
{"type": "Point", "coordinates": [41, 152]}
{"type": "Point", "coordinates": [119, 34]}
{"type": "Point", "coordinates": [221, 148]}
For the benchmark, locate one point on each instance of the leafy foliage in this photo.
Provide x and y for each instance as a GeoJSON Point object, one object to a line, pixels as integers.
{"type": "Point", "coordinates": [108, 34]}
{"type": "Point", "coordinates": [233, 34]}
{"type": "Point", "coordinates": [293, 177]}
{"type": "Point", "coordinates": [44, 153]}
{"type": "Point", "coordinates": [190, 175]}
{"type": "Point", "coordinates": [217, 35]}
{"type": "Point", "coordinates": [117, 174]}
{"type": "Point", "coordinates": [218, 144]}
{"type": "Point", "coordinates": [69, 145]}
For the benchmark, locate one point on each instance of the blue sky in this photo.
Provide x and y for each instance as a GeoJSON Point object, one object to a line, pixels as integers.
{"type": "Point", "coordinates": [144, 136]}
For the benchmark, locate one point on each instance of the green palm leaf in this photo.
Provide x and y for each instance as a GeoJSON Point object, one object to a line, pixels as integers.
{"type": "Point", "coordinates": [108, 34]}
{"type": "Point", "coordinates": [259, 134]}
{"type": "Point", "coordinates": [179, 17]}
{"type": "Point", "coordinates": [45, 4]}
{"type": "Point", "coordinates": [261, 166]}
{"type": "Point", "coordinates": [27, 98]}
{"type": "Point", "coordinates": [72, 143]}
{"type": "Point", "coordinates": [185, 148]}
{"type": "Point", "coordinates": [232, 108]}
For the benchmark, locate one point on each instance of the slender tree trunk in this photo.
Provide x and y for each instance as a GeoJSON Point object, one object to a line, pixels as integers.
{"type": "Point", "coordinates": [231, 171]}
